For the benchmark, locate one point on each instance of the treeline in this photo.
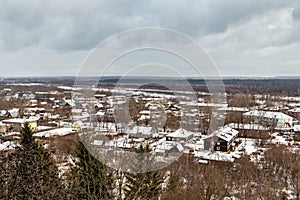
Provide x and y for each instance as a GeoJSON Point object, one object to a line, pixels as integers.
{"type": "Point", "coordinates": [65, 80]}
{"type": "Point", "coordinates": [232, 86]}
{"type": "Point", "coordinates": [274, 176]}
{"type": "Point", "coordinates": [263, 86]}
{"type": "Point", "coordinates": [30, 172]}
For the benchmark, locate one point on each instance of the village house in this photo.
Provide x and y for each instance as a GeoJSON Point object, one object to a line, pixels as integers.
{"type": "Point", "coordinates": [77, 126]}
{"type": "Point", "coordinates": [168, 147]}
{"type": "Point", "coordinates": [179, 135]}
{"type": "Point", "coordinates": [14, 113]}
{"type": "Point", "coordinates": [99, 106]}
{"type": "Point", "coordinates": [277, 120]}
{"type": "Point", "coordinates": [144, 115]}
{"type": "Point", "coordinates": [33, 111]}
{"type": "Point", "coordinates": [141, 132]}
{"type": "Point", "coordinates": [15, 124]}
{"type": "Point", "coordinates": [221, 140]}
{"type": "Point", "coordinates": [100, 116]}
{"type": "Point", "coordinates": [249, 129]}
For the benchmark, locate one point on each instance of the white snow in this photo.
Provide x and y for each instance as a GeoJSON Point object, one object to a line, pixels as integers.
{"type": "Point", "coordinates": [8, 145]}
{"type": "Point", "coordinates": [217, 156]}
{"type": "Point", "coordinates": [54, 132]}
{"type": "Point", "coordinates": [249, 146]}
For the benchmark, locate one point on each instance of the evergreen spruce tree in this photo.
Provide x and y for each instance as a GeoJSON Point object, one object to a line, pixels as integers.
{"type": "Point", "coordinates": [89, 178]}
{"type": "Point", "coordinates": [143, 185]}
{"type": "Point", "coordinates": [3, 176]}
{"type": "Point", "coordinates": [32, 171]}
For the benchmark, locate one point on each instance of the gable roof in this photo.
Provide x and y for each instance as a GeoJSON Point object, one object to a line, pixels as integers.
{"type": "Point", "coordinates": [69, 102]}
{"type": "Point", "coordinates": [14, 113]}
{"type": "Point", "coordinates": [3, 112]}
{"type": "Point", "coordinates": [226, 133]}
{"type": "Point", "coordinates": [180, 133]}
{"type": "Point", "coordinates": [267, 114]}
{"type": "Point", "coordinates": [144, 130]}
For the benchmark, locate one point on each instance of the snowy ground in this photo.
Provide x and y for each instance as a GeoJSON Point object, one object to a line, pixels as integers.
{"type": "Point", "coordinates": [8, 145]}
{"type": "Point", "coordinates": [217, 156]}
{"type": "Point", "coordinates": [12, 133]}
{"type": "Point", "coordinates": [279, 139]}
{"type": "Point", "coordinates": [249, 146]}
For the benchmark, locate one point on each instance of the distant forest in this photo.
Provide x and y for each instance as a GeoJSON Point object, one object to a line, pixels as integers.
{"type": "Point", "coordinates": [263, 86]}
{"type": "Point", "coordinates": [271, 86]}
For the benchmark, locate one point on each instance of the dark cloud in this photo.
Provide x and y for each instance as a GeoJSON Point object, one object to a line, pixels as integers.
{"type": "Point", "coordinates": [234, 32]}
{"type": "Point", "coordinates": [77, 25]}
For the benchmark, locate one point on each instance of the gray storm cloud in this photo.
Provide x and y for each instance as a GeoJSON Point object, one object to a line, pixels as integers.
{"type": "Point", "coordinates": [239, 35]}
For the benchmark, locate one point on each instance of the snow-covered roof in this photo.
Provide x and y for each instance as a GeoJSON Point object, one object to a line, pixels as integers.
{"type": "Point", "coordinates": [100, 95]}
{"type": "Point", "coordinates": [212, 105]}
{"type": "Point", "coordinates": [238, 109]}
{"type": "Point", "coordinates": [226, 133]}
{"type": "Point", "coordinates": [54, 132]}
{"type": "Point", "coordinates": [268, 114]}
{"type": "Point", "coordinates": [100, 113]}
{"type": "Point", "coordinates": [84, 115]}
{"type": "Point", "coordinates": [14, 112]}
{"type": "Point", "coordinates": [50, 116]}
{"type": "Point", "coordinates": [70, 102]}
{"type": "Point", "coordinates": [34, 109]}
{"type": "Point", "coordinates": [296, 128]}
{"type": "Point", "coordinates": [143, 117]}
{"type": "Point", "coordinates": [180, 133]}
{"type": "Point", "coordinates": [191, 114]}
{"type": "Point", "coordinates": [20, 120]}
{"type": "Point", "coordinates": [179, 147]}
{"type": "Point", "coordinates": [145, 112]}
{"type": "Point", "coordinates": [145, 130]}
{"type": "Point", "coordinates": [99, 105]}
{"type": "Point", "coordinates": [119, 102]}
{"type": "Point", "coordinates": [7, 89]}
{"type": "Point", "coordinates": [77, 110]}
{"type": "Point", "coordinates": [167, 146]}
{"type": "Point", "coordinates": [295, 110]}
{"type": "Point", "coordinates": [78, 123]}
{"type": "Point", "coordinates": [2, 112]}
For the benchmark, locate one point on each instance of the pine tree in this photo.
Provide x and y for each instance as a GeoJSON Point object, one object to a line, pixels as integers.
{"type": "Point", "coordinates": [33, 173]}
{"type": "Point", "coordinates": [3, 175]}
{"type": "Point", "coordinates": [143, 185]}
{"type": "Point", "coordinates": [89, 178]}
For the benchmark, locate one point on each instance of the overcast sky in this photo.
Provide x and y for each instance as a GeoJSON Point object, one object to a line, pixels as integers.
{"type": "Point", "coordinates": [244, 38]}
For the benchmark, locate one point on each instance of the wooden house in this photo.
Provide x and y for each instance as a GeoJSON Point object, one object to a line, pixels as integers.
{"type": "Point", "coordinates": [221, 140]}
